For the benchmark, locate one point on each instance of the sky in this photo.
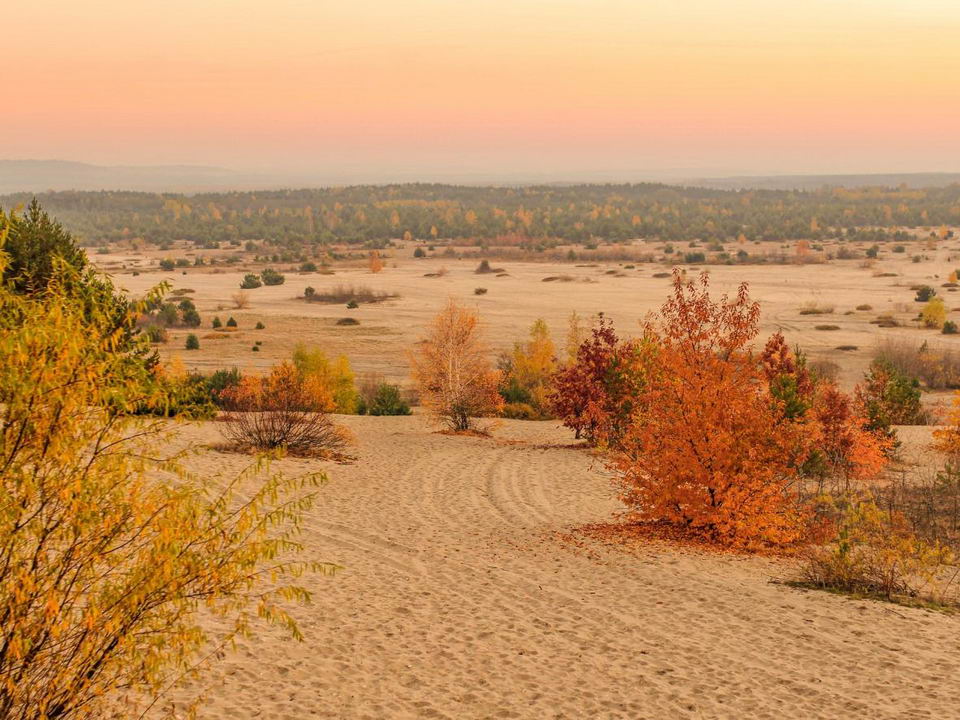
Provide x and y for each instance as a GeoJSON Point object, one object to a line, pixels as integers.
{"type": "Point", "coordinates": [431, 89]}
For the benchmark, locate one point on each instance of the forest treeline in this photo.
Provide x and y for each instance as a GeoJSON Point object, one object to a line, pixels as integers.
{"type": "Point", "coordinates": [542, 215]}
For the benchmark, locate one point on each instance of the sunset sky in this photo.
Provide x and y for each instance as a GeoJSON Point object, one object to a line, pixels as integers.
{"type": "Point", "coordinates": [550, 89]}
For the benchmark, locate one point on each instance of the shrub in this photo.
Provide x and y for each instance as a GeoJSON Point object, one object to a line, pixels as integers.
{"type": "Point", "coordinates": [190, 317]}
{"type": "Point", "coordinates": [167, 264]}
{"type": "Point", "coordinates": [309, 292]}
{"type": "Point", "coordinates": [382, 399]}
{"type": "Point", "coordinates": [949, 328]}
{"type": "Point", "coordinates": [281, 410]}
{"type": "Point", "coordinates": [308, 267]}
{"type": "Point", "coordinates": [231, 323]}
{"type": "Point", "coordinates": [193, 342]}
{"type": "Point", "coordinates": [348, 321]}
{"type": "Point", "coordinates": [924, 293]}
{"type": "Point", "coordinates": [694, 257]}
{"type": "Point", "coordinates": [109, 549]}
{"type": "Point", "coordinates": [934, 313]}
{"type": "Point", "coordinates": [157, 334]}
{"type": "Point", "coordinates": [349, 294]}
{"type": "Point", "coordinates": [899, 248]}
{"type": "Point", "coordinates": [241, 299]}
{"type": "Point", "coordinates": [595, 395]}
{"type": "Point", "coordinates": [255, 348]}
{"type": "Point", "coordinates": [864, 307]}
{"type": "Point", "coordinates": [527, 373]}
{"type": "Point", "coordinates": [419, 253]}
{"type": "Point", "coordinates": [272, 277]}
{"type": "Point", "coordinates": [250, 282]}
{"type": "Point", "coordinates": [452, 371]}
{"type": "Point", "coordinates": [216, 323]}
{"type": "Point", "coordinates": [259, 326]}
{"type": "Point", "coordinates": [479, 291]}
{"type": "Point", "coordinates": [334, 379]}
{"type": "Point", "coordinates": [826, 327]}
{"type": "Point", "coordinates": [352, 305]}
{"type": "Point", "coordinates": [374, 262]}
{"type": "Point", "coordinates": [874, 552]}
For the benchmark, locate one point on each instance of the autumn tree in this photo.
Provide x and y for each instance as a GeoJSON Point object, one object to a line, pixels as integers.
{"type": "Point", "coordinates": [452, 369]}
{"type": "Point", "coordinates": [711, 452]}
{"type": "Point", "coordinates": [332, 379]}
{"type": "Point", "coordinates": [374, 261]}
{"type": "Point", "coordinates": [109, 550]}
{"type": "Point", "coordinates": [597, 395]}
{"type": "Point", "coordinates": [527, 375]}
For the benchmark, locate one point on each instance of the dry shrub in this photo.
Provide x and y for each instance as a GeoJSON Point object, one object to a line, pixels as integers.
{"type": "Point", "coordinates": [812, 307]}
{"type": "Point", "coordinates": [452, 370]}
{"type": "Point", "coordinates": [241, 299]}
{"type": "Point", "coordinates": [937, 366]}
{"type": "Point", "coordinates": [826, 327]}
{"type": "Point", "coordinates": [282, 410]}
{"type": "Point", "coordinates": [875, 552]}
{"type": "Point", "coordinates": [343, 293]}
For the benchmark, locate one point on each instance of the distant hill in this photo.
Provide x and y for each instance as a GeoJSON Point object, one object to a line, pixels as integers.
{"type": "Point", "coordinates": [814, 182]}
{"type": "Point", "coordinates": [41, 175]}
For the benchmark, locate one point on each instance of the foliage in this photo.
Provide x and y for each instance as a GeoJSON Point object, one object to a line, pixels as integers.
{"type": "Point", "coordinates": [711, 452]}
{"type": "Point", "coordinates": [106, 553]}
{"type": "Point", "coordinates": [947, 439]}
{"type": "Point", "coordinates": [452, 370]}
{"type": "Point", "coordinates": [527, 372]}
{"type": "Point", "coordinates": [374, 261]}
{"type": "Point", "coordinates": [887, 397]}
{"type": "Point", "coordinates": [286, 409]}
{"type": "Point", "coordinates": [874, 552]}
{"type": "Point", "coordinates": [231, 323]}
{"type": "Point", "coordinates": [934, 313]}
{"type": "Point", "coordinates": [271, 277]}
{"type": "Point", "coordinates": [598, 394]}
{"type": "Point", "coordinates": [334, 379]}
{"type": "Point", "coordinates": [381, 398]}
{"type": "Point", "coordinates": [924, 293]}
{"type": "Point", "coordinates": [192, 343]}
{"type": "Point", "coordinates": [250, 282]}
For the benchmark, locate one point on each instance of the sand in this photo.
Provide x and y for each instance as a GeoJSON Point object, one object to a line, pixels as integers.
{"type": "Point", "coordinates": [510, 306]}
{"type": "Point", "coordinates": [459, 599]}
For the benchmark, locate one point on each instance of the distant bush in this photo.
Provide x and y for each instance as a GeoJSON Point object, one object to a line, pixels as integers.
{"type": "Point", "coordinates": [250, 282]}
{"type": "Point", "coordinates": [949, 328]}
{"type": "Point", "coordinates": [864, 307]}
{"type": "Point", "coordinates": [479, 291]}
{"type": "Point", "coordinates": [348, 321]}
{"type": "Point", "coordinates": [694, 257]}
{"type": "Point", "coordinates": [259, 326]}
{"type": "Point", "coordinates": [156, 334]}
{"type": "Point", "coordinates": [167, 264]}
{"type": "Point", "coordinates": [231, 323]}
{"type": "Point", "coordinates": [308, 267]}
{"type": "Point", "coordinates": [937, 367]}
{"type": "Point", "coordinates": [349, 293]}
{"type": "Point", "coordinates": [352, 305]}
{"type": "Point", "coordinates": [899, 248]}
{"type": "Point", "coordinates": [826, 327]}
{"type": "Point", "coordinates": [272, 277]}
{"type": "Point", "coordinates": [419, 253]}
{"type": "Point", "coordinates": [484, 268]}
{"type": "Point", "coordinates": [934, 313]}
{"type": "Point", "coordinates": [241, 299]}
{"type": "Point", "coordinates": [193, 342]}
{"type": "Point", "coordinates": [216, 323]}
{"type": "Point", "coordinates": [309, 292]}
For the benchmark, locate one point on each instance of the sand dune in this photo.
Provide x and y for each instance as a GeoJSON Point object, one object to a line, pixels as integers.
{"type": "Point", "coordinates": [458, 600]}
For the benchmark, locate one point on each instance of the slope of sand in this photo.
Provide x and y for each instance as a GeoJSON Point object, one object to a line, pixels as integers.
{"type": "Point", "coordinates": [458, 600]}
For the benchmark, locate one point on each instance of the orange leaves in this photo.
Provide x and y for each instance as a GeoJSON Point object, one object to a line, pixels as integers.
{"type": "Point", "coordinates": [452, 369]}
{"type": "Point", "coordinates": [374, 261]}
{"type": "Point", "coordinates": [719, 441]}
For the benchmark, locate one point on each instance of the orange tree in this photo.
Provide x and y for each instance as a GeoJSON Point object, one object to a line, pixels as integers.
{"type": "Point", "coordinates": [711, 451]}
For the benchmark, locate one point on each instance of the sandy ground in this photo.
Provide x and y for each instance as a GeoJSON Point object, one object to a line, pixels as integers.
{"type": "Point", "coordinates": [512, 303]}
{"type": "Point", "coordinates": [458, 600]}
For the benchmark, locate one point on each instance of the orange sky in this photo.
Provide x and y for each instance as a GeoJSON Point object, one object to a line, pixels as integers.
{"type": "Point", "coordinates": [424, 88]}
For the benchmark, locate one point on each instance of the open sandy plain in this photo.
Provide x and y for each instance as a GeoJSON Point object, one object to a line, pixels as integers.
{"type": "Point", "coordinates": [462, 594]}
{"type": "Point", "coordinates": [387, 330]}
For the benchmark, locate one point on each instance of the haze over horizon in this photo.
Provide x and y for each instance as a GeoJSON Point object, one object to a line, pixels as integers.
{"type": "Point", "coordinates": [562, 90]}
